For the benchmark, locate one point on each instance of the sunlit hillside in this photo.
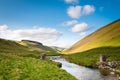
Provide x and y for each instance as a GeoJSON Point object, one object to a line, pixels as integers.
{"type": "Point", "coordinates": [107, 36]}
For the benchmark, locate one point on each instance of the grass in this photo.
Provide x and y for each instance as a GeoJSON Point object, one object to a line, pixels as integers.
{"type": "Point", "coordinates": [106, 36]}
{"type": "Point", "coordinates": [12, 47]}
{"type": "Point", "coordinates": [33, 45]}
{"type": "Point", "coordinates": [17, 62]}
{"type": "Point", "coordinates": [90, 58]}
{"type": "Point", "coordinates": [13, 67]}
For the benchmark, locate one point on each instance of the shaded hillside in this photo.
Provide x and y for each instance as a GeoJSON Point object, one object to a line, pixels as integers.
{"type": "Point", "coordinates": [106, 36]}
{"type": "Point", "coordinates": [12, 47]}
{"type": "Point", "coordinates": [57, 48]}
{"type": "Point", "coordinates": [34, 45]}
{"type": "Point", "coordinates": [32, 49]}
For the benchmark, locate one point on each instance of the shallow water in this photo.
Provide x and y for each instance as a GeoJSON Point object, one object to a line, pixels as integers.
{"type": "Point", "coordinates": [80, 72]}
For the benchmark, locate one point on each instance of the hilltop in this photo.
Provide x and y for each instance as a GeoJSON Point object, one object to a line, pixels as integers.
{"type": "Point", "coordinates": [34, 45]}
{"type": "Point", "coordinates": [107, 36]}
{"type": "Point", "coordinates": [25, 48]}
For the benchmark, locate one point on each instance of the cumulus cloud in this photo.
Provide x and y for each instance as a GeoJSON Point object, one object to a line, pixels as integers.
{"type": "Point", "coordinates": [87, 9]}
{"type": "Point", "coordinates": [74, 11]}
{"type": "Point", "coordinates": [71, 1]}
{"type": "Point", "coordinates": [82, 34]}
{"type": "Point", "coordinates": [78, 11]}
{"type": "Point", "coordinates": [70, 23]}
{"type": "Point", "coordinates": [44, 35]}
{"type": "Point", "coordinates": [80, 27]}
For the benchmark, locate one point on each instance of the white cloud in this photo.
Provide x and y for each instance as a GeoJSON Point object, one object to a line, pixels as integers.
{"type": "Point", "coordinates": [3, 27]}
{"type": "Point", "coordinates": [70, 23]}
{"type": "Point", "coordinates": [74, 11]}
{"type": "Point", "coordinates": [45, 35]}
{"type": "Point", "coordinates": [83, 34]}
{"type": "Point", "coordinates": [78, 11]}
{"type": "Point", "coordinates": [80, 27]}
{"type": "Point", "coordinates": [87, 9]}
{"type": "Point", "coordinates": [71, 1]}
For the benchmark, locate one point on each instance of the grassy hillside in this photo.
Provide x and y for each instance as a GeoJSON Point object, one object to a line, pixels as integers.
{"type": "Point", "coordinates": [13, 67]}
{"type": "Point", "coordinates": [12, 47]}
{"type": "Point", "coordinates": [91, 57]}
{"type": "Point", "coordinates": [106, 36]}
{"type": "Point", "coordinates": [18, 62]}
{"type": "Point", "coordinates": [34, 45]}
{"type": "Point", "coordinates": [58, 49]}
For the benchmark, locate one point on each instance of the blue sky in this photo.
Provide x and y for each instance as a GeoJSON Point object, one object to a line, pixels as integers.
{"type": "Point", "coordinates": [55, 22]}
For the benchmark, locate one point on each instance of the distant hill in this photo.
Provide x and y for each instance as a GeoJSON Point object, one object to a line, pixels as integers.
{"type": "Point", "coordinates": [107, 36]}
{"type": "Point", "coordinates": [34, 45]}
{"type": "Point", "coordinates": [58, 49]}
{"type": "Point", "coordinates": [12, 47]}
{"type": "Point", "coordinates": [25, 48]}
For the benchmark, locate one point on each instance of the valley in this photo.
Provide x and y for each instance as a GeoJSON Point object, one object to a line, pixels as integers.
{"type": "Point", "coordinates": [21, 59]}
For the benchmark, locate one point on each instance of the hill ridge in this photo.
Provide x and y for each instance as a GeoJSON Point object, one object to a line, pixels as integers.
{"type": "Point", "coordinates": [99, 38]}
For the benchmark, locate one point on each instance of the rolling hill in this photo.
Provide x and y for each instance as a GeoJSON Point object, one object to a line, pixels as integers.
{"type": "Point", "coordinates": [25, 48]}
{"type": "Point", "coordinates": [107, 36]}
{"type": "Point", "coordinates": [12, 47]}
{"type": "Point", "coordinates": [18, 62]}
{"type": "Point", "coordinates": [34, 45]}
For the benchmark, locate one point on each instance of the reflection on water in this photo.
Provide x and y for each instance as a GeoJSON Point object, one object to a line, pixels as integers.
{"type": "Point", "coordinates": [80, 72]}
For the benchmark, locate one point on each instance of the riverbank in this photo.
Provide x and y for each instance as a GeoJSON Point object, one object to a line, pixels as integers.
{"type": "Point", "coordinates": [81, 72]}
{"type": "Point", "coordinates": [91, 57]}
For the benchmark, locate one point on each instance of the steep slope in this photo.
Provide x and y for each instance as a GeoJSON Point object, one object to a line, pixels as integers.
{"type": "Point", "coordinates": [106, 36]}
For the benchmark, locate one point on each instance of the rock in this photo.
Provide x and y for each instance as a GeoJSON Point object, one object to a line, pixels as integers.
{"type": "Point", "coordinates": [43, 56]}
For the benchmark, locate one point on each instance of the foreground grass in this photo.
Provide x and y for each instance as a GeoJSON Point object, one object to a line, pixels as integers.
{"type": "Point", "coordinates": [91, 57]}
{"type": "Point", "coordinates": [13, 67]}
{"type": "Point", "coordinates": [18, 62]}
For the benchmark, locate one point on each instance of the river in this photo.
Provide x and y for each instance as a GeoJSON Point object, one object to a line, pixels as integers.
{"type": "Point", "coordinates": [80, 72]}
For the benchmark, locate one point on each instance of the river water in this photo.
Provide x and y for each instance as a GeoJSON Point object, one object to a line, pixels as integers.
{"type": "Point", "coordinates": [80, 72]}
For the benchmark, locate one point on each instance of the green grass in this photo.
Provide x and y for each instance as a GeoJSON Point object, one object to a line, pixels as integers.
{"type": "Point", "coordinates": [17, 62]}
{"type": "Point", "coordinates": [12, 47]}
{"type": "Point", "coordinates": [13, 67]}
{"type": "Point", "coordinates": [33, 45]}
{"type": "Point", "coordinates": [91, 57]}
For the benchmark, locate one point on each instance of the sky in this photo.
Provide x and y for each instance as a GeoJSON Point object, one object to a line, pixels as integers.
{"type": "Point", "coordinates": [55, 22]}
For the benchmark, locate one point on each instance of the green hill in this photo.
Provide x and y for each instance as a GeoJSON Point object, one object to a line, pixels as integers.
{"type": "Point", "coordinates": [18, 62]}
{"type": "Point", "coordinates": [105, 40]}
{"type": "Point", "coordinates": [37, 46]}
{"type": "Point", "coordinates": [12, 47]}
{"type": "Point", "coordinates": [58, 49]}
{"type": "Point", "coordinates": [34, 45]}
{"type": "Point", "coordinates": [106, 36]}
{"type": "Point", "coordinates": [91, 57]}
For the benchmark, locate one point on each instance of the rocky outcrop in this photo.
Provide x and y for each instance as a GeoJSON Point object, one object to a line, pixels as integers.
{"type": "Point", "coordinates": [111, 67]}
